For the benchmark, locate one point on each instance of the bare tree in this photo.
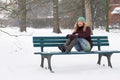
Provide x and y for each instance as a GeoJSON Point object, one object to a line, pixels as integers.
{"type": "Point", "coordinates": [107, 15]}
{"type": "Point", "coordinates": [22, 14]}
{"type": "Point", "coordinates": [88, 13]}
{"type": "Point", "coordinates": [56, 28]}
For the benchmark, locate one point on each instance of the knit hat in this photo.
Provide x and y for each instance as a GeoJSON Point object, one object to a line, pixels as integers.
{"type": "Point", "coordinates": [81, 19]}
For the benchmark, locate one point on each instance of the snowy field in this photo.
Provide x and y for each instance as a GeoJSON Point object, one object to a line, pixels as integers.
{"type": "Point", "coordinates": [18, 62]}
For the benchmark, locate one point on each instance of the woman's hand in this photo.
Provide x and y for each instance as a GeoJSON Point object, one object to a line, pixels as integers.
{"type": "Point", "coordinates": [72, 36]}
{"type": "Point", "coordinates": [68, 36]}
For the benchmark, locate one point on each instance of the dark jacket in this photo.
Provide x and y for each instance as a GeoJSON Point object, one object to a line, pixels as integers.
{"type": "Point", "coordinates": [84, 34]}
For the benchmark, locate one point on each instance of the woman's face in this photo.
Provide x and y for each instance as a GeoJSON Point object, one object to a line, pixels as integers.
{"type": "Point", "coordinates": [80, 23]}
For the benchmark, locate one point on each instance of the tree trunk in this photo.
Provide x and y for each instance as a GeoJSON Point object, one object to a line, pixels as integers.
{"type": "Point", "coordinates": [107, 15]}
{"type": "Point", "coordinates": [56, 28]}
{"type": "Point", "coordinates": [88, 14]}
{"type": "Point", "coordinates": [22, 14]}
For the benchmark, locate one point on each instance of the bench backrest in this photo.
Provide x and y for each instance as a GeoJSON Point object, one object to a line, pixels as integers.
{"type": "Point", "coordinates": [54, 41]}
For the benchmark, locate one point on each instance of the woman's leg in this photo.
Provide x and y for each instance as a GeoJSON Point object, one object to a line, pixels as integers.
{"type": "Point", "coordinates": [63, 47]}
{"type": "Point", "coordinates": [84, 44]}
{"type": "Point", "coordinates": [68, 41]}
{"type": "Point", "coordinates": [70, 44]}
{"type": "Point", "coordinates": [78, 47]}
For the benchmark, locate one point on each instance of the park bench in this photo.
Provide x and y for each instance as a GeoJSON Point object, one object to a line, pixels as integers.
{"type": "Point", "coordinates": [54, 41]}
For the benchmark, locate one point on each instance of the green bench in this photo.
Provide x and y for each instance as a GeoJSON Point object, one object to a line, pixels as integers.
{"type": "Point", "coordinates": [54, 41]}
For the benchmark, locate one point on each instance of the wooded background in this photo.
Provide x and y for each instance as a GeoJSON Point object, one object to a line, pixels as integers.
{"type": "Point", "coordinates": [49, 13]}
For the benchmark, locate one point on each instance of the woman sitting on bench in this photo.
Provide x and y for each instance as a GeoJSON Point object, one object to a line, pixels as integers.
{"type": "Point", "coordinates": [80, 38]}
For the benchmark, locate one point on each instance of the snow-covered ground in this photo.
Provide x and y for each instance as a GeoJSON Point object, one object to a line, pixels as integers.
{"type": "Point", "coordinates": [18, 62]}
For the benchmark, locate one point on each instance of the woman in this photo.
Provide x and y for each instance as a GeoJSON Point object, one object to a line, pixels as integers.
{"type": "Point", "coordinates": [80, 38]}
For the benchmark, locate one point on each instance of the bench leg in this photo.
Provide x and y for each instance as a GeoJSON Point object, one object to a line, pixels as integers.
{"type": "Point", "coordinates": [48, 57]}
{"type": "Point", "coordinates": [42, 61]}
{"type": "Point", "coordinates": [49, 63]}
{"type": "Point", "coordinates": [108, 58]}
{"type": "Point", "coordinates": [99, 59]}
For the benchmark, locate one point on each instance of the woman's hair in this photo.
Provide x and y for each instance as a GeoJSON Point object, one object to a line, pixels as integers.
{"type": "Point", "coordinates": [76, 27]}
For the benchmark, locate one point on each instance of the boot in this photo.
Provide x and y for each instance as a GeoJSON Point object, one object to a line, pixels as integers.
{"type": "Point", "coordinates": [62, 48]}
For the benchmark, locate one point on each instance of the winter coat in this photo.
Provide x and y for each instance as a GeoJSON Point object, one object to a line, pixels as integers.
{"type": "Point", "coordinates": [82, 34]}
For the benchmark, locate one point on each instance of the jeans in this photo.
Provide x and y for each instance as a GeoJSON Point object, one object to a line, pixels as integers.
{"type": "Point", "coordinates": [82, 45]}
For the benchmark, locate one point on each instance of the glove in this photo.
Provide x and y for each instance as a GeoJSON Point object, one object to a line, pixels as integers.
{"type": "Point", "coordinates": [72, 36]}
{"type": "Point", "coordinates": [68, 36]}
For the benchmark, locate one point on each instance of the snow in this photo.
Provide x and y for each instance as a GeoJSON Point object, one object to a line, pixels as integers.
{"type": "Point", "coordinates": [5, 1]}
{"type": "Point", "coordinates": [18, 62]}
{"type": "Point", "coordinates": [116, 10]}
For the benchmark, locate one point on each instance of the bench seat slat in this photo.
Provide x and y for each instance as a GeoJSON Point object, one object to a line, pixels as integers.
{"type": "Point", "coordinates": [74, 52]}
